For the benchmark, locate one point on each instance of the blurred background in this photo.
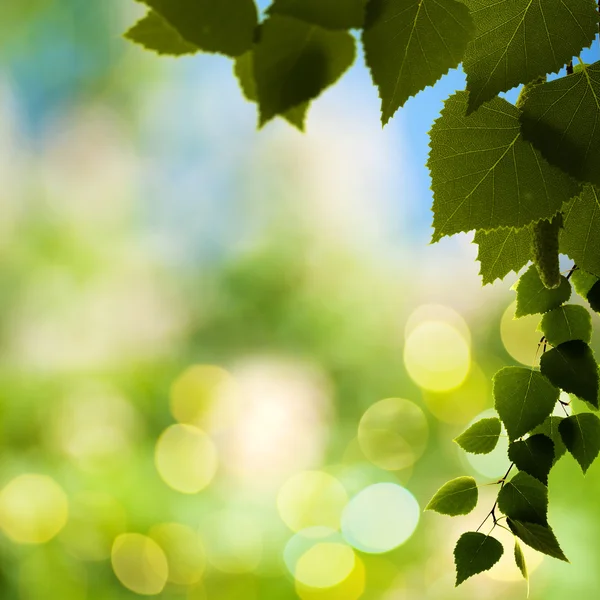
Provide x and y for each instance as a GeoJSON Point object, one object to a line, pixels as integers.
{"type": "Point", "coordinates": [231, 364]}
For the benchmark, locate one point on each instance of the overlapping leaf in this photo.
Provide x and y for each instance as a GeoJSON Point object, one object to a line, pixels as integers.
{"type": "Point", "coordinates": [524, 498]}
{"type": "Point", "coordinates": [156, 34]}
{"type": "Point", "coordinates": [534, 456]}
{"type": "Point", "coordinates": [523, 399]}
{"type": "Point", "coordinates": [520, 40]}
{"type": "Point", "coordinates": [593, 297]}
{"type": "Point", "coordinates": [475, 553]}
{"type": "Point", "coordinates": [583, 282]}
{"type": "Point", "coordinates": [294, 62]}
{"type": "Point", "coordinates": [485, 176]}
{"type": "Point", "coordinates": [456, 497]}
{"type": "Point", "coordinates": [227, 27]}
{"type": "Point", "coordinates": [410, 44]}
{"type": "Point", "coordinates": [501, 251]}
{"type": "Point", "coordinates": [562, 119]}
{"type": "Point", "coordinates": [481, 437]}
{"type": "Point", "coordinates": [550, 428]}
{"type": "Point", "coordinates": [566, 323]}
{"type": "Point", "coordinates": [580, 237]}
{"type": "Point", "coordinates": [539, 537]}
{"type": "Point", "coordinates": [331, 14]}
{"type": "Point", "coordinates": [581, 435]}
{"type": "Point", "coordinates": [533, 297]}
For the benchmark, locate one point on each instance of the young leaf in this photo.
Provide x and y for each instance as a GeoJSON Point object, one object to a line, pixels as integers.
{"type": "Point", "coordinates": [154, 33]}
{"type": "Point", "coordinates": [580, 237]}
{"type": "Point", "coordinates": [523, 399]}
{"type": "Point", "coordinates": [331, 14]}
{"type": "Point", "coordinates": [539, 537]}
{"type": "Point", "coordinates": [501, 251]}
{"type": "Point", "coordinates": [227, 26]}
{"type": "Point", "coordinates": [535, 456]}
{"type": "Point", "coordinates": [524, 498]}
{"type": "Point", "coordinates": [410, 44]}
{"type": "Point", "coordinates": [520, 40]}
{"type": "Point", "coordinates": [481, 437]}
{"type": "Point", "coordinates": [593, 297]}
{"type": "Point", "coordinates": [457, 497]}
{"type": "Point", "coordinates": [520, 560]}
{"type": "Point", "coordinates": [294, 62]}
{"type": "Point", "coordinates": [581, 435]}
{"type": "Point", "coordinates": [566, 323]}
{"type": "Point", "coordinates": [545, 250]}
{"type": "Point", "coordinates": [534, 297]}
{"type": "Point", "coordinates": [560, 118]}
{"type": "Point", "coordinates": [483, 156]}
{"type": "Point", "coordinates": [244, 71]}
{"type": "Point", "coordinates": [475, 553]}
{"type": "Point", "coordinates": [571, 367]}
{"type": "Point", "coordinates": [550, 429]}
{"type": "Point", "coordinates": [583, 281]}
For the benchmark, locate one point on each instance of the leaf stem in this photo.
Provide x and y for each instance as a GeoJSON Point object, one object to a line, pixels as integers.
{"type": "Point", "coordinates": [492, 512]}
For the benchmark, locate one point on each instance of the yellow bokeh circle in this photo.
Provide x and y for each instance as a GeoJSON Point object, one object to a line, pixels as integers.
{"type": "Point", "coordinates": [33, 509]}
{"type": "Point", "coordinates": [326, 564]}
{"type": "Point", "coordinates": [521, 337]}
{"type": "Point", "coordinates": [186, 458]}
{"type": "Point", "coordinates": [392, 433]}
{"type": "Point", "coordinates": [139, 564]}
{"type": "Point", "coordinates": [437, 356]}
{"type": "Point", "coordinates": [351, 588]}
{"type": "Point", "coordinates": [311, 498]}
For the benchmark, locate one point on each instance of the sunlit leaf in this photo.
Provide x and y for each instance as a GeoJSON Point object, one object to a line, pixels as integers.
{"type": "Point", "coordinates": [534, 297]}
{"type": "Point", "coordinates": [534, 456]}
{"type": "Point", "coordinates": [539, 537]}
{"type": "Point", "coordinates": [456, 497]}
{"type": "Point", "coordinates": [520, 560]}
{"type": "Point", "coordinates": [581, 435]}
{"type": "Point", "coordinates": [524, 498]}
{"type": "Point", "coordinates": [475, 553]}
{"type": "Point", "coordinates": [565, 323]}
{"type": "Point", "coordinates": [481, 437]}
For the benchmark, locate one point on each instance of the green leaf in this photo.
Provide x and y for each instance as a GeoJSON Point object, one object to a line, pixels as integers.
{"type": "Point", "coordinates": [523, 399]}
{"type": "Point", "coordinates": [457, 497]}
{"type": "Point", "coordinates": [502, 250]}
{"type": "Point", "coordinates": [244, 71]}
{"type": "Point", "coordinates": [550, 428]}
{"type": "Point", "coordinates": [481, 437]}
{"type": "Point", "coordinates": [410, 44]}
{"type": "Point", "coordinates": [485, 176]}
{"type": "Point", "coordinates": [593, 297]}
{"type": "Point", "coordinates": [566, 323]}
{"type": "Point", "coordinates": [539, 537]}
{"type": "Point", "coordinates": [545, 235]}
{"type": "Point", "coordinates": [561, 119]}
{"type": "Point", "coordinates": [534, 456]}
{"type": "Point", "coordinates": [331, 14]}
{"type": "Point", "coordinates": [583, 282]}
{"type": "Point", "coordinates": [475, 553]}
{"type": "Point", "coordinates": [581, 435]}
{"type": "Point", "coordinates": [534, 297]}
{"type": "Point", "coordinates": [520, 560]}
{"type": "Point", "coordinates": [520, 40]}
{"type": "Point", "coordinates": [580, 237]}
{"type": "Point", "coordinates": [524, 498]}
{"type": "Point", "coordinates": [294, 62]}
{"type": "Point", "coordinates": [227, 27]}
{"type": "Point", "coordinates": [154, 33]}
{"type": "Point", "coordinates": [571, 367]}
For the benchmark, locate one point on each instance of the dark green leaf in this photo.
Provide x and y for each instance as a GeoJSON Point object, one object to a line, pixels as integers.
{"type": "Point", "coordinates": [535, 456]}
{"type": "Point", "coordinates": [534, 297]}
{"type": "Point", "coordinates": [475, 553]}
{"type": "Point", "coordinates": [581, 435]}
{"type": "Point", "coordinates": [227, 26]}
{"type": "Point", "coordinates": [561, 117]}
{"type": "Point", "coordinates": [481, 437]}
{"type": "Point", "coordinates": [550, 428]}
{"type": "Point", "coordinates": [457, 497]}
{"type": "Point", "coordinates": [580, 237]}
{"type": "Point", "coordinates": [520, 560]}
{"type": "Point", "coordinates": [524, 498]}
{"type": "Point", "coordinates": [593, 297]}
{"type": "Point", "coordinates": [485, 176]}
{"type": "Point", "coordinates": [571, 366]}
{"type": "Point", "coordinates": [538, 537]}
{"type": "Point", "coordinates": [565, 323]}
{"type": "Point", "coordinates": [410, 44]}
{"type": "Point", "coordinates": [545, 250]}
{"type": "Point", "coordinates": [294, 62]}
{"type": "Point", "coordinates": [502, 250]}
{"type": "Point", "coordinates": [523, 399]}
{"type": "Point", "coordinates": [244, 71]}
{"type": "Point", "coordinates": [520, 40]}
{"type": "Point", "coordinates": [154, 33]}
{"type": "Point", "coordinates": [331, 14]}
{"type": "Point", "coordinates": [583, 282]}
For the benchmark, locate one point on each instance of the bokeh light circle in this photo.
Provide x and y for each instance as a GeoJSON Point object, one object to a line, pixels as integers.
{"type": "Point", "coordinates": [311, 498]}
{"type": "Point", "coordinates": [392, 433]}
{"type": "Point", "coordinates": [33, 509]}
{"type": "Point", "coordinates": [139, 564]}
{"type": "Point", "coordinates": [326, 564]}
{"type": "Point", "coordinates": [304, 540]}
{"type": "Point", "coordinates": [186, 458]}
{"type": "Point", "coordinates": [351, 588]}
{"type": "Point", "coordinates": [380, 518]}
{"type": "Point", "coordinates": [521, 336]}
{"type": "Point", "coordinates": [437, 356]}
